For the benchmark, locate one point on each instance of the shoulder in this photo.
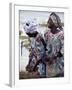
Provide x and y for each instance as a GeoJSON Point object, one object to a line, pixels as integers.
{"type": "Point", "coordinates": [47, 32]}
{"type": "Point", "coordinates": [61, 35]}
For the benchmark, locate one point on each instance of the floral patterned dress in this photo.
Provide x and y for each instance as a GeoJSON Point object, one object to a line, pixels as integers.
{"type": "Point", "coordinates": [55, 50]}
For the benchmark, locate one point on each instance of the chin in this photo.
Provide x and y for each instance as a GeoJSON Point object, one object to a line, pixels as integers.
{"type": "Point", "coordinates": [49, 26]}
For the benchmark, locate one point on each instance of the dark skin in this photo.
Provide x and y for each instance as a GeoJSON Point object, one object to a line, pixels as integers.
{"type": "Point", "coordinates": [52, 26]}
{"type": "Point", "coordinates": [54, 30]}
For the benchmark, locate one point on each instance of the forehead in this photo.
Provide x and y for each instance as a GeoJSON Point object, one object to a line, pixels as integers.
{"type": "Point", "coordinates": [49, 19]}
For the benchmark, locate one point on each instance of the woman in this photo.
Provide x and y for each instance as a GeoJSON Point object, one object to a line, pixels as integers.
{"type": "Point", "coordinates": [54, 39]}
{"type": "Point", "coordinates": [37, 48]}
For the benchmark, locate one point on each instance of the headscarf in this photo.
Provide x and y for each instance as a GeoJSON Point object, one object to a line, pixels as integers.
{"type": "Point", "coordinates": [30, 26]}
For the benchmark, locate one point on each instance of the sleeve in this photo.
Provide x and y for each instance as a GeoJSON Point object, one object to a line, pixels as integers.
{"type": "Point", "coordinates": [47, 39]}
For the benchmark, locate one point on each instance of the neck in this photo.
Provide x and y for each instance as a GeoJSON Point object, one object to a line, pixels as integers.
{"type": "Point", "coordinates": [54, 30]}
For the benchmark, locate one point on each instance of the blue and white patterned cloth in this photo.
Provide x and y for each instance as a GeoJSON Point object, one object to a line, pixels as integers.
{"type": "Point", "coordinates": [30, 26]}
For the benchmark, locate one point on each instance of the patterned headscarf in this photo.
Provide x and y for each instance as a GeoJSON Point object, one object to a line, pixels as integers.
{"type": "Point", "coordinates": [30, 26]}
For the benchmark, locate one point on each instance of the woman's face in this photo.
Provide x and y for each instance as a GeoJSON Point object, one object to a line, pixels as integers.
{"type": "Point", "coordinates": [50, 23]}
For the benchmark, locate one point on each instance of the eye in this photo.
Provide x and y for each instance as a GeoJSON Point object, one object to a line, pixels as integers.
{"type": "Point", "coordinates": [27, 24]}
